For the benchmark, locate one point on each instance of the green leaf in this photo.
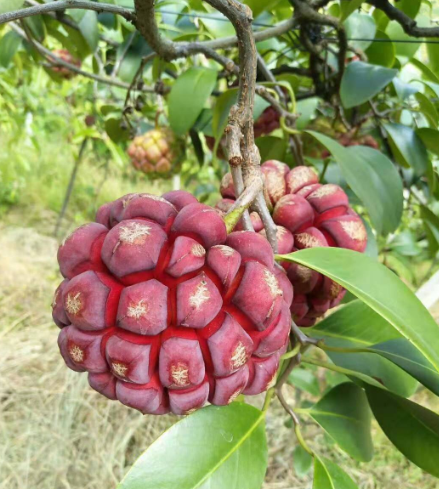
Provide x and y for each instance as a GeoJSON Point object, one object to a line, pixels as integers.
{"type": "Point", "coordinates": [328, 475]}
{"type": "Point", "coordinates": [430, 137]}
{"type": "Point", "coordinates": [402, 353]}
{"type": "Point", "coordinates": [348, 7]}
{"type": "Point", "coordinates": [357, 326]}
{"type": "Point", "coordinates": [360, 26]}
{"type": "Point", "coordinates": [302, 461]}
{"type": "Point", "coordinates": [413, 429]}
{"type": "Point", "coordinates": [381, 53]}
{"type": "Point", "coordinates": [10, 42]}
{"type": "Point", "coordinates": [305, 380]}
{"type": "Point", "coordinates": [404, 90]}
{"type": "Point", "coordinates": [306, 108]}
{"type": "Point", "coordinates": [10, 5]}
{"type": "Point", "coordinates": [272, 148]}
{"type": "Point", "coordinates": [188, 96]}
{"type": "Point", "coordinates": [427, 108]}
{"type": "Point", "coordinates": [431, 220]}
{"type": "Point", "coordinates": [36, 26]}
{"type": "Point", "coordinates": [373, 178]}
{"type": "Point", "coordinates": [344, 414]}
{"type": "Point", "coordinates": [408, 148]}
{"type": "Point", "coordinates": [433, 55]}
{"type": "Point", "coordinates": [362, 81]}
{"type": "Point", "coordinates": [404, 49]}
{"type": "Point", "coordinates": [89, 29]}
{"type": "Point", "coordinates": [380, 289]}
{"type": "Point", "coordinates": [223, 106]}
{"type": "Point", "coordinates": [409, 7]}
{"type": "Point", "coordinates": [425, 70]}
{"type": "Point", "coordinates": [222, 447]}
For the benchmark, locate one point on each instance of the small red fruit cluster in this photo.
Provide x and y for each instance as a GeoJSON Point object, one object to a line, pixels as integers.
{"type": "Point", "coordinates": [308, 214]}
{"type": "Point", "coordinates": [68, 58]}
{"type": "Point", "coordinates": [165, 311]}
{"type": "Point", "coordinates": [155, 153]}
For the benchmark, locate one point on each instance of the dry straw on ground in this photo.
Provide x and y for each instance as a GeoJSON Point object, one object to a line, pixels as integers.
{"type": "Point", "coordinates": [56, 433]}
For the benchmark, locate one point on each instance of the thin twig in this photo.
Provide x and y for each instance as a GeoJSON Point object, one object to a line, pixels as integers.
{"type": "Point", "coordinates": [66, 4]}
{"type": "Point", "coordinates": [60, 62]}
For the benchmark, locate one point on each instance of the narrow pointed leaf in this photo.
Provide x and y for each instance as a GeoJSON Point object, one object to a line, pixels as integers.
{"type": "Point", "coordinates": [413, 429]}
{"type": "Point", "coordinates": [328, 475]}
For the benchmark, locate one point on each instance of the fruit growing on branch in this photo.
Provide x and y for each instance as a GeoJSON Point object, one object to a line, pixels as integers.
{"type": "Point", "coordinates": [66, 56]}
{"type": "Point", "coordinates": [165, 311]}
{"type": "Point", "coordinates": [307, 214]}
{"type": "Point", "coordinates": [156, 153]}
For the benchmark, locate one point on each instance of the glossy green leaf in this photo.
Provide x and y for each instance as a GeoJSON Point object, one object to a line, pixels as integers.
{"type": "Point", "coordinates": [302, 461]}
{"type": "Point", "coordinates": [362, 81]}
{"type": "Point", "coordinates": [381, 53]}
{"type": "Point", "coordinates": [348, 7]}
{"type": "Point", "coordinates": [357, 326]}
{"type": "Point", "coordinates": [430, 137]}
{"type": "Point", "coordinates": [373, 178]}
{"type": "Point", "coordinates": [10, 42]}
{"type": "Point", "coordinates": [380, 289]}
{"type": "Point", "coordinates": [344, 414]}
{"type": "Point", "coordinates": [360, 26]}
{"type": "Point", "coordinates": [408, 148]}
{"type": "Point", "coordinates": [89, 29]}
{"type": "Point", "coordinates": [328, 475]}
{"type": "Point", "coordinates": [214, 447]}
{"type": "Point", "coordinates": [305, 380]}
{"type": "Point", "coordinates": [413, 429]}
{"type": "Point", "coordinates": [188, 96]}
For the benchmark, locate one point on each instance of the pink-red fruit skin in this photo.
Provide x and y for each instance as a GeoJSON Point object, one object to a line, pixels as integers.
{"type": "Point", "coordinates": [165, 311]}
{"type": "Point", "coordinates": [307, 214]}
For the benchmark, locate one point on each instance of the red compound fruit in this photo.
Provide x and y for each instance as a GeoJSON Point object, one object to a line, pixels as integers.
{"type": "Point", "coordinates": [68, 58]}
{"type": "Point", "coordinates": [165, 311]}
{"type": "Point", "coordinates": [156, 153]}
{"type": "Point", "coordinates": [308, 214]}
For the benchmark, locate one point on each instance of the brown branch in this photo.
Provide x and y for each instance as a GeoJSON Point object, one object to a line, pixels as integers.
{"type": "Point", "coordinates": [63, 5]}
{"type": "Point", "coordinates": [291, 69]}
{"type": "Point", "coordinates": [409, 25]}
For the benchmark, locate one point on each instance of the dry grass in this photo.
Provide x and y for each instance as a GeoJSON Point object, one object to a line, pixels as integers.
{"type": "Point", "coordinates": [56, 433]}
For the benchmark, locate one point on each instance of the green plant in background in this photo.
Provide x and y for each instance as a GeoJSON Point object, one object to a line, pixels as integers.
{"type": "Point", "coordinates": [348, 88]}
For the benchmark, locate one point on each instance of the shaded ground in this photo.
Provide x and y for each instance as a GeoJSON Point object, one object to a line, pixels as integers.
{"type": "Point", "coordinates": [56, 433]}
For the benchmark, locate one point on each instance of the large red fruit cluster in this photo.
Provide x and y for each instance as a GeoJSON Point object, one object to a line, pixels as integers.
{"type": "Point", "coordinates": [165, 311]}
{"type": "Point", "coordinates": [155, 153]}
{"type": "Point", "coordinates": [307, 214]}
{"type": "Point", "coordinates": [68, 58]}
